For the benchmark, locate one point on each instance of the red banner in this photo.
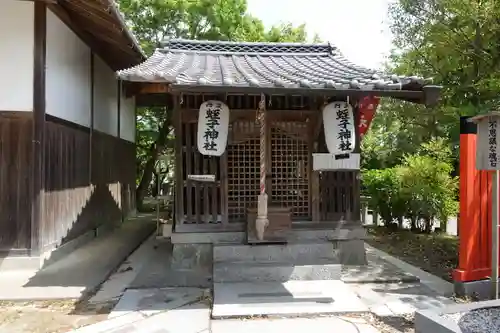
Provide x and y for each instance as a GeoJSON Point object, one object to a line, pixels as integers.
{"type": "Point", "coordinates": [367, 108]}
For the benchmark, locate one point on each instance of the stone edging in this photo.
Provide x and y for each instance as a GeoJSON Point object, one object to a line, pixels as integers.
{"type": "Point", "coordinates": [438, 285]}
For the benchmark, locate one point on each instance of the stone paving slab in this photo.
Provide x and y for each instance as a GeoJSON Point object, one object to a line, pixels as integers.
{"type": "Point", "coordinates": [115, 285]}
{"type": "Point", "coordinates": [376, 270]}
{"type": "Point", "coordinates": [111, 324]}
{"type": "Point", "coordinates": [389, 299]}
{"type": "Point", "coordinates": [287, 298]}
{"type": "Point", "coordinates": [149, 302]}
{"type": "Point", "coordinates": [294, 325]}
{"type": "Point", "coordinates": [81, 271]}
{"type": "Point", "coordinates": [194, 318]}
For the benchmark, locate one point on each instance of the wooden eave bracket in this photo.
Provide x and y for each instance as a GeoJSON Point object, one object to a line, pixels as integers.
{"type": "Point", "coordinates": [432, 95]}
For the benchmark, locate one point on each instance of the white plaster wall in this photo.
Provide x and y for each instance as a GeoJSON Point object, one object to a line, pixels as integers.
{"type": "Point", "coordinates": [127, 119]}
{"type": "Point", "coordinates": [105, 98]}
{"type": "Point", "coordinates": [16, 55]}
{"type": "Point", "coordinates": [68, 77]}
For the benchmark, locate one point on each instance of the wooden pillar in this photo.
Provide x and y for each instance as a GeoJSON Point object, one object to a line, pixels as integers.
{"type": "Point", "coordinates": [356, 177]}
{"type": "Point", "coordinates": [262, 221]}
{"type": "Point", "coordinates": [473, 256]}
{"type": "Point", "coordinates": [92, 112]}
{"type": "Point", "coordinates": [38, 147]}
{"type": "Point", "coordinates": [179, 177]}
{"type": "Point", "coordinates": [316, 127]}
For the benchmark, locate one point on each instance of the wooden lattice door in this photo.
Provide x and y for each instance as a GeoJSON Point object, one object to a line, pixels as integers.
{"type": "Point", "coordinates": [242, 168]}
{"type": "Point", "coordinates": [290, 167]}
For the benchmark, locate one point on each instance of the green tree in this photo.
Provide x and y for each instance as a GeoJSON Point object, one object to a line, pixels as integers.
{"type": "Point", "coordinates": [456, 43]}
{"type": "Point", "coordinates": [153, 21]}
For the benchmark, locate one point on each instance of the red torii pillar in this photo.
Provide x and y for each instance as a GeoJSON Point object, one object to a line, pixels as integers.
{"type": "Point", "coordinates": [474, 222]}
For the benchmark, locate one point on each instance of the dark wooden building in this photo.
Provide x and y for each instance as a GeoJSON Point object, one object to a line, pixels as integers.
{"type": "Point", "coordinates": [67, 132]}
{"type": "Point", "coordinates": [290, 84]}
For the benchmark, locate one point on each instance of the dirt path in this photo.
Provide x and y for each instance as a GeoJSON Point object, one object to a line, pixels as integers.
{"type": "Point", "coordinates": [49, 316]}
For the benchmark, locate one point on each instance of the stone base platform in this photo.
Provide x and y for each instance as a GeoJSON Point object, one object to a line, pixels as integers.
{"type": "Point", "coordinates": [291, 298]}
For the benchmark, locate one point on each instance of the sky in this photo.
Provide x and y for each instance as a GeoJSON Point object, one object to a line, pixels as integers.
{"type": "Point", "coordinates": [359, 28]}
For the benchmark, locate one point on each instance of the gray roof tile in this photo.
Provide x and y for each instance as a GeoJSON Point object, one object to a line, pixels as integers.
{"type": "Point", "coordinates": [285, 65]}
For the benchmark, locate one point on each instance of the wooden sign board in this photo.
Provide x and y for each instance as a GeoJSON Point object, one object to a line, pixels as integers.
{"type": "Point", "coordinates": [202, 178]}
{"type": "Point", "coordinates": [330, 162]}
{"type": "Point", "coordinates": [488, 141]}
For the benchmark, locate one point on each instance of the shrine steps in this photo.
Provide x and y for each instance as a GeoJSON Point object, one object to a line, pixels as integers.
{"type": "Point", "coordinates": [276, 263]}
{"type": "Point", "coordinates": [282, 252]}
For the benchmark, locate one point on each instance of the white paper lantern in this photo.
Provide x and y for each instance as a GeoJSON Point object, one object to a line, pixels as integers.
{"type": "Point", "coordinates": [213, 126]}
{"type": "Point", "coordinates": [338, 122]}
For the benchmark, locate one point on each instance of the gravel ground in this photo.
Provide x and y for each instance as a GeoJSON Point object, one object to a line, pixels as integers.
{"type": "Point", "coordinates": [391, 324]}
{"type": "Point", "coordinates": [49, 316]}
{"type": "Point", "coordinates": [477, 321]}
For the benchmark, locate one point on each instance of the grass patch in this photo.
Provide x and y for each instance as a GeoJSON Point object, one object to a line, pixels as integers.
{"type": "Point", "coordinates": [434, 253]}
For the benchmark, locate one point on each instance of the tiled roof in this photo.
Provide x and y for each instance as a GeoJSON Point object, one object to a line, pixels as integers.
{"type": "Point", "coordinates": [273, 65]}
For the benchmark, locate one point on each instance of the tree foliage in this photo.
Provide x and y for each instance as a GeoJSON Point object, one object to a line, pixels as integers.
{"type": "Point", "coordinates": [153, 21]}
{"type": "Point", "coordinates": [456, 43]}
{"type": "Point", "coordinates": [420, 188]}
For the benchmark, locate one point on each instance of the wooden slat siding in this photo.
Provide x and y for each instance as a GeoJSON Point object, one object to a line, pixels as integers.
{"type": "Point", "coordinates": [68, 190]}
{"type": "Point", "coordinates": [74, 205]}
{"type": "Point", "coordinates": [339, 196]}
{"type": "Point", "coordinates": [206, 191]}
{"type": "Point", "coordinates": [224, 190]}
{"type": "Point", "coordinates": [214, 208]}
{"type": "Point", "coordinates": [356, 193]}
{"type": "Point", "coordinates": [15, 161]}
{"type": "Point", "coordinates": [189, 170]}
{"type": "Point", "coordinates": [197, 170]}
{"type": "Point", "coordinates": [179, 178]}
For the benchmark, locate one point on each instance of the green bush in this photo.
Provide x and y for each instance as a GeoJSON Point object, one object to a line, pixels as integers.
{"type": "Point", "coordinates": [383, 186]}
{"type": "Point", "coordinates": [421, 188]}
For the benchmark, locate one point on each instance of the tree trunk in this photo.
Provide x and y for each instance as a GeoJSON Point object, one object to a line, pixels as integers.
{"type": "Point", "coordinates": [413, 226]}
{"type": "Point", "coordinates": [428, 225]}
{"type": "Point", "coordinates": [156, 183]}
{"type": "Point", "coordinates": [153, 152]}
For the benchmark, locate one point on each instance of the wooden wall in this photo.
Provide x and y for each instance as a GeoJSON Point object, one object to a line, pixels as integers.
{"type": "Point", "coordinates": [89, 180]}
{"type": "Point", "coordinates": [292, 136]}
{"type": "Point", "coordinates": [85, 185]}
{"type": "Point", "coordinates": [339, 196]}
{"type": "Point", "coordinates": [15, 175]}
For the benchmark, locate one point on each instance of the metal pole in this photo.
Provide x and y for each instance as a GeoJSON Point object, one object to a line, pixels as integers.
{"type": "Point", "coordinates": [494, 235]}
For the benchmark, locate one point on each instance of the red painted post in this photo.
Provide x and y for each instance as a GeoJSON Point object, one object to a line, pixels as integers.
{"type": "Point", "coordinates": [475, 211]}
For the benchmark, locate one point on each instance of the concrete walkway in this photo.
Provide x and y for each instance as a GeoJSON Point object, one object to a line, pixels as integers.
{"type": "Point", "coordinates": [188, 310]}
{"type": "Point", "coordinates": [80, 272]}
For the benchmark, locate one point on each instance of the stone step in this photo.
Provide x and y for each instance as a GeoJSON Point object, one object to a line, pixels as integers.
{"type": "Point", "coordinates": [272, 271]}
{"type": "Point", "coordinates": [283, 299]}
{"type": "Point", "coordinates": [283, 253]}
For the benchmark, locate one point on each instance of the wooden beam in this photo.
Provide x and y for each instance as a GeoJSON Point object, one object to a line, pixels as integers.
{"type": "Point", "coordinates": [91, 17]}
{"type": "Point", "coordinates": [37, 174]}
{"type": "Point", "coordinates": [154, 88]}
{"type": "Point", "coordinates": [179, 178]}
{"type": "Point", "coordinates": [92, 112]}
